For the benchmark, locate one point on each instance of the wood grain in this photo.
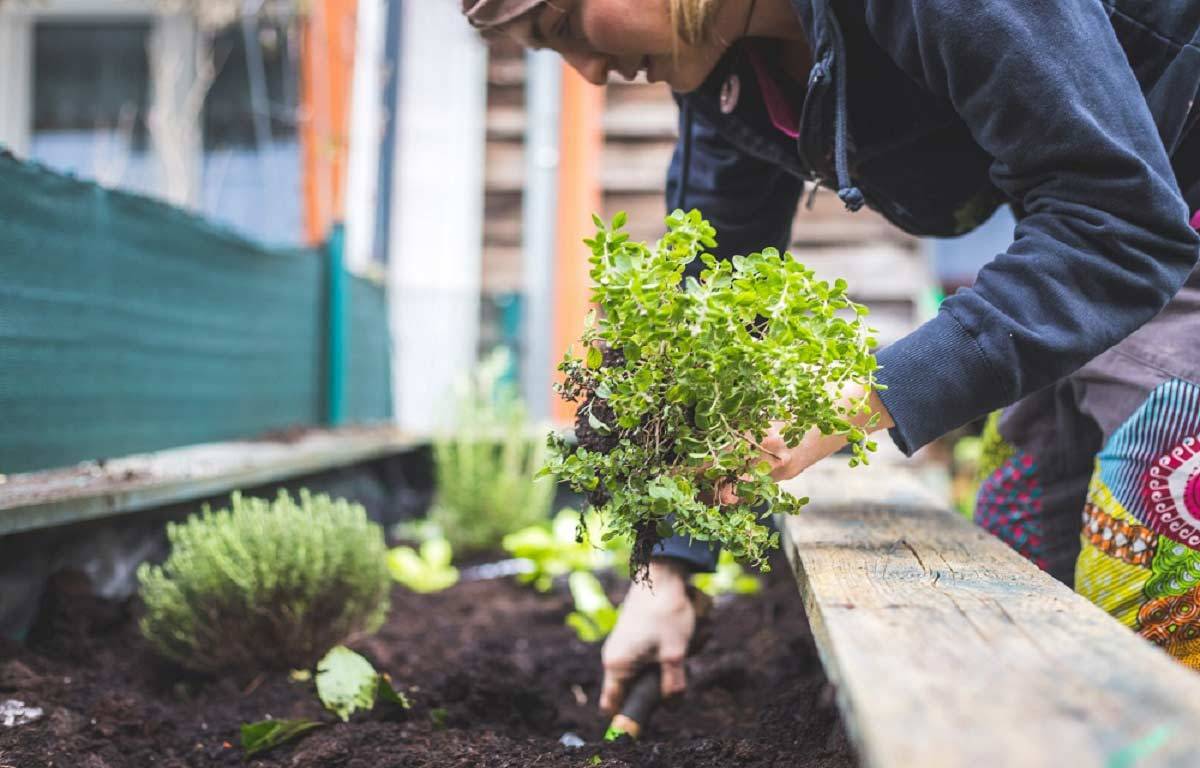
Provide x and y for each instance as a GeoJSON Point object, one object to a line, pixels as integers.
{"type": "Point", "coordinates": [949, 649]}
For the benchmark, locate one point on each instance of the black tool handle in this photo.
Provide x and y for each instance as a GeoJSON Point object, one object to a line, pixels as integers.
{"type": "Point", "coordinates": [643, 697]}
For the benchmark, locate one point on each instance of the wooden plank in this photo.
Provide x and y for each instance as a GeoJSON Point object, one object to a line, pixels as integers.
{"type": "Point", "coordinates": [949, 649]}
{"type": "Point", "coordinates": [633, 120]}
{"type": "Point", "coordinates": [100, 489]}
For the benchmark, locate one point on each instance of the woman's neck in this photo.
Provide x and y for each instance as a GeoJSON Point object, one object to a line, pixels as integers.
{"type": "Point", "coordinates": [759, 18]}
{"type": "Point", "coordinates": [768, 19]}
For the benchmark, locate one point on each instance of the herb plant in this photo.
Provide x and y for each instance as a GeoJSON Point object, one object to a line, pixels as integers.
{"type": "Point", "coordinates": [265, 584]}
{"type": "Point", "coordinates": [486, 484]}
{"type": "Point", "coordinates": [680, 380]}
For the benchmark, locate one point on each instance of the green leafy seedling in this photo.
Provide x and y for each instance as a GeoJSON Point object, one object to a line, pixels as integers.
{"type": "Point", "coordinates": [728, 579]}
{"type": "Point", "coordinates": [347, 683]}
{"type": "Point", "coordinates": [594, 615]}
{"type": "Point", "coordinates": [268, 734]}
{"type": "Point", "coordinates": [677, 383]}
{"type": "Point", "coordinates": [566, 545]}
{"type": "Point", "coordinates": [426, 570]}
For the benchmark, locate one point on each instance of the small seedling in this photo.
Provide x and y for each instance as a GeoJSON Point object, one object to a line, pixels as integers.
{"type": "Point", "coordinates": [678, 382]}
{"type": "Point", "coordinates": [427, 570]}
{"type": "Point", "coordinates": [594, 615]}
{"type": "Point", "coordinates": [346, 683]}
{"type": "Point", "coordinates": [728, 579]}
{"type": "Point", "coordinates": [268, 734]}
{"type": "Point", "coordinates": [570, 543]}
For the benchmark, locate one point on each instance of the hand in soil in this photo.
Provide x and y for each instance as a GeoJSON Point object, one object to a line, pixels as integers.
{"type": "Point", "coordinates": [656, 624]}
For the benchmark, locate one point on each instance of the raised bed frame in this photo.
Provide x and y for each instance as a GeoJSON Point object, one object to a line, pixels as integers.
{"type": "Point", "coordinates": [102, 489]}
{"type": "Point", "coordinates": [947, 648]}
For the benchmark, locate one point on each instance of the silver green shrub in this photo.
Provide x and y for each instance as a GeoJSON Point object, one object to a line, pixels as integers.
{"type": "Point", "coordinates": [485, 468]}
{"type": "Point", "coordinates": [265, 584]}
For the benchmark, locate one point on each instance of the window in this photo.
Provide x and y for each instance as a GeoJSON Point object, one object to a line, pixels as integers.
{"type": "Point", "coordinates": [90, 100]}
{"type": "Point", "coordinates": [252, 162]}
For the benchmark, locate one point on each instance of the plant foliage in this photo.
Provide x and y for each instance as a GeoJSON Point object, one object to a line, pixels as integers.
{"type": "Point", "coordinates": [424, 570]}
{"type": "Point", "coordinates": [268, 734]}
{"type": "Point", "coordinates": [680, 380]}
{"type": "Point", "coordinates": [729, 578]}
{"type": "Point", "coordinates": [265, 584]}
{"type": "Point", "coordinates": [594, 615]}
{"type": "Point", "coordinates": [346, 683]}
{"type": "Point", "coordinates": [570, 543]}
{"type": "Point", "coordinates": [486, 467]}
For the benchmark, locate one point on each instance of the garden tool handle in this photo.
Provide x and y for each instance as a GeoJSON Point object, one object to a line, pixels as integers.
{"type": "Point", "coordinates": [646, 692]}
{"type": "Point", "coordinates": [644, 695]}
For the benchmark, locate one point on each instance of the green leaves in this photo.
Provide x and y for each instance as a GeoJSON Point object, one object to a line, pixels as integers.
{"type": "Point", "coordinates": [426, 571]}
{"type": "Point", "coordinates": [708, 364]}
{"type": "Point", "coordinates": [265, 584]}
{"type": "Point", "coordinates": [268, 734]}
{"type": "Point", "coordinates": [728, 579]}
{"type": "Point", "coordinates": [570, 544]}
{"type": "Point", "coordinates": [594, 615]}
{"type": "Point", "coordinates": [346, 683]}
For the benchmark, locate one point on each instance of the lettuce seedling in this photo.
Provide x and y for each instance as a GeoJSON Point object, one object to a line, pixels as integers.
{"type": "Point", "coordinates": [346, 683]}
{"type": "Point", "coordinates": [428, 570]}
{"type": "Point", "coordinates": [728, 579]}
{"type": "Point", "coordinates": [680, 380]}
{"type": "Point", "coordinates": [594, 615]}
{"type": "Point", "coordinates": [571, 543]}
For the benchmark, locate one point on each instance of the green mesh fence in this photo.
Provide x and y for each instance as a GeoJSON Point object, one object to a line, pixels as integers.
{"type": "Point", "coordinates": [127, 325]}
{"type": "Point", "coordinates": [368, 387]}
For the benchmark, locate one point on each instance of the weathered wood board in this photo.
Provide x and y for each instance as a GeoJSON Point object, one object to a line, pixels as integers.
{"type": "Point", "coordinates": [99, 489]}
{"type": "Point", "coordinates": [949, 649]}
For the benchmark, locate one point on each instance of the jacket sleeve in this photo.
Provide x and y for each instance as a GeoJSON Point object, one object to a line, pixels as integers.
{"type": "Point", "coordinates": [751, 202]}
{"type": "Point", "coordinates": [1047, 91]}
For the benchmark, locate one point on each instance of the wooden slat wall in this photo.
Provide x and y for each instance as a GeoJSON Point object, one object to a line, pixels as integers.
{"type": "Point", "coordinates": [885, 268]}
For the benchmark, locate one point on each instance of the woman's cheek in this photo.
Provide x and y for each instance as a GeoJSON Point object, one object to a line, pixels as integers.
{"type": "Point", "coordinates": [620, 27]}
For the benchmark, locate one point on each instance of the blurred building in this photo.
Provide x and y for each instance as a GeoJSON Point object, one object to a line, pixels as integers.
{"type": "Point", "coordinates": [464, 176]}
{"type": "Point", "coordinates": [161, 100]}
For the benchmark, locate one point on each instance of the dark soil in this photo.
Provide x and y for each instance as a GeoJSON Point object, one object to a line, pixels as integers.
{"type": "Point", "coordinates": [494, 675]}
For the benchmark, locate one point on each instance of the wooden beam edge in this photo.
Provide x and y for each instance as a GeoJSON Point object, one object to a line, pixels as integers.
{"type": "Point", "coordinates": [246, 464]}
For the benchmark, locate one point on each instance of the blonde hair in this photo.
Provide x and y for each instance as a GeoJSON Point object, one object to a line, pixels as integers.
{"type": "Point", "coordinates": [693, 19]}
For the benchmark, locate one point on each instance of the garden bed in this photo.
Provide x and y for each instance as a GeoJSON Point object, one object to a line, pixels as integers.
{"type": "Point", "coordinates": [494, 676]}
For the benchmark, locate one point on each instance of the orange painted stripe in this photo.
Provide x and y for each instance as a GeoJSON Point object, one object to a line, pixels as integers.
{"type": "Point", "coordinates": [581, 146]}
{"type": "Point", "coordinates": [326, 72]}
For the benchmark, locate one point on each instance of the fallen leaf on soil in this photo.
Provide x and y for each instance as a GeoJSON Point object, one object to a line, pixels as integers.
{"type": "Point", "coordinates": [268, 734]}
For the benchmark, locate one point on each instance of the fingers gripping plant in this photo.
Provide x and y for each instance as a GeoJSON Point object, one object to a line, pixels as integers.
{"type": "Point", "coordinates": [681, 379]}
{"type": "Point", "coordinates": [266, 585]}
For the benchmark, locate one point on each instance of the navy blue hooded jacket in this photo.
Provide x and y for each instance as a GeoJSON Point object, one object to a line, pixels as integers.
{"type": "Point", "coordinates": [1080, 114]}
